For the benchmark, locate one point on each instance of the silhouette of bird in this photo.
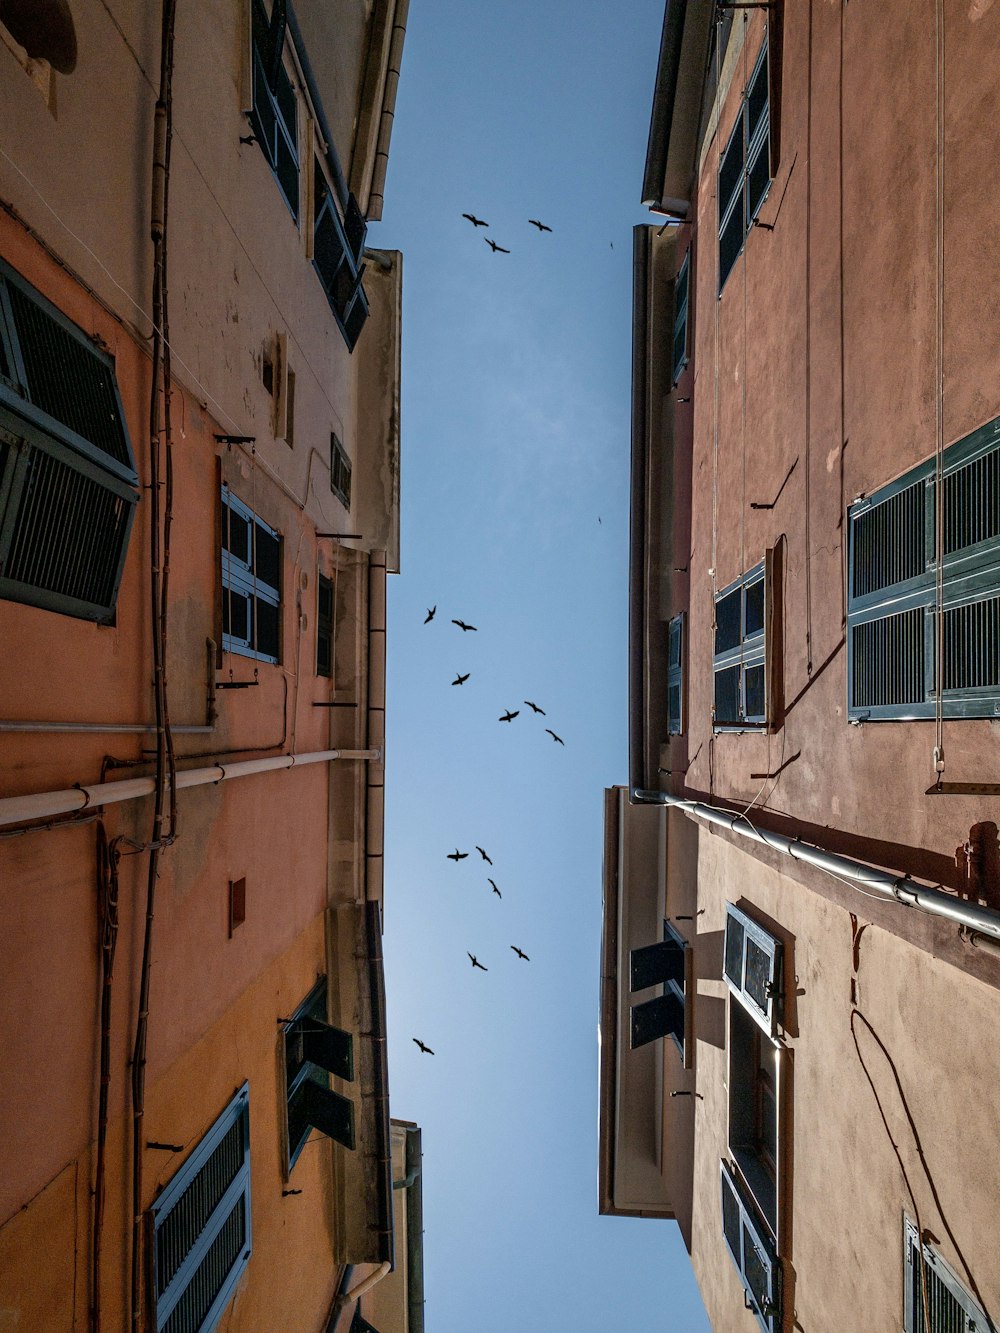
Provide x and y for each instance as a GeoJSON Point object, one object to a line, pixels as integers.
{"type": "Point", "coordinates": [426, 1049]}
{"type": "Point", "coordinates": [477, 963]}
{"type": "Point", "coordinates": [483, 855]}
{"type": "Point", "coordinates": [476, 222]}
{"type": "Point", "coordinates": [554, 736]}
{"type": "Point", "coordinates": [534, 707]}
{"type": "Point", "coordinates": [509, 716]}
{"type": "Point", "coordinates": [494, 247]}
{"type": "Point", "coordinates": [540, 225]}
{"type": "Point", "coordinates": [520, 953]}
{"type": "Point", "coordinates": [431, 610]}
{"type": "Point", "coordinates": [460, 680]}
{"type": "Point", "coordinates": [463, 626]}
{"type": "Point", "coordinates": [456, 855]}
{"type": "Point", "coordinates": [495, 889]}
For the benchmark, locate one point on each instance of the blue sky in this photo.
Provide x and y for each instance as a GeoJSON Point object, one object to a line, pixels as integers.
{"type": "Point", "coordinates": [515, 444]}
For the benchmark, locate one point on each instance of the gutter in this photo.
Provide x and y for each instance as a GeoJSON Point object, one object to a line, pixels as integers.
{"type": "Point", "coordinates": [909, 892]}
{"type": "Point", "coordinates": [72, 800]}
{"type": "Point", "coordinates": [374, 843]}
{"type": "Point", "coordinates": [376, 191]}
{"type": "Point", "coordinates": [380, 1079]}
{"type": "Point", "coordinates": [637, 503]}
{"type": "Point", "coordinates": [607, 1030]}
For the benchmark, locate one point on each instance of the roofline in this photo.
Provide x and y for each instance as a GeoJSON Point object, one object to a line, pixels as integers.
{"type": "Point", "coordinates": [671, 150]}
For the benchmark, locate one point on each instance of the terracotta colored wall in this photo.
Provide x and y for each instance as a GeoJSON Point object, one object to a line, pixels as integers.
{"type": "Point", "coordinates": [826, 335]}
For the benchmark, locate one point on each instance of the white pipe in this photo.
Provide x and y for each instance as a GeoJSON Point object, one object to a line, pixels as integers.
{"type": "Point", "coordinates": [102, 728]}
{"type": "Point", "coordinates": [902, 888]}
{"type": "Point", "coordinates": [17, 809]}
{"type": "Point", "coordinates": [366, 1284]}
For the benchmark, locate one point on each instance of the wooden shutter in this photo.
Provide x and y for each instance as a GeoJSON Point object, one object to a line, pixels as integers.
{"type": "Point", "coordinates": [201, 1225]}
{"type": "Point", "coordinates": [752, 1251]}
{"type": "Point", "coordinates": [752, 963]}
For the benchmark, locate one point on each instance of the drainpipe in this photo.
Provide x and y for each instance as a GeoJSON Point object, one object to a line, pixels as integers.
{"type": "Point", "coordinates": [102, 728]}
{"type": "Point", "coordinates": [40, 805]}
{"type": "Point", "coordinates": [902, 888]}
{"type": "Point", "coordinates": [376, 191]}
{"type": "Point", "coordinates": [375, 730]}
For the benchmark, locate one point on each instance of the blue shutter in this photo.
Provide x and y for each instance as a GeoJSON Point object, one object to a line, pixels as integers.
{"type": "Point", "coordinates": [752, 1251]}
{"type": "Point", "coordinates": [201, 1226]}
{"type": "Point", "coordinates": [675, 676]}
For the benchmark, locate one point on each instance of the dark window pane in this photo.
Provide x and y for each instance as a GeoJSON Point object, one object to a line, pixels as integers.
{"type": "Point", "coordinates": [727, 621]}
{"type": "Point", "coordinates": [754, 608]}
{"type": "Point", "coordinates": [758, 179]}
{"type": "Point", "coordinates": [731, 168]}
{"type": "Point", "coordinates": [267, 566]}
{"type": "Point", "coordinates": [267, 619]}
{"type": "Point", "coordinates": [236, 535]}
{"type": "Point", "coordinates": [731, 242]}
{"type": "Point", "coordinates": [324, 628]}
{"type": "Point", "coordinates": [681, 287]}
{"type": "Point", "coordinates": [674, 708]}
{"type": "Point", "coordinates": [757, 99]}
{"type": "Point", "coordinates": [753, 683]}
{"type": "Point", "coordinates": [727, 696]}
{"type": "Point", "coordinates": [235, 614]}
{"type": "Point", "coordinates": [284, 96]}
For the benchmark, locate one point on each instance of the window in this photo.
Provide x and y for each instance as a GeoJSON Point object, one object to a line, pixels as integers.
{"type": "Point", "coordinates": [752, 1251]}
{"type": "Point", "coordinates": [201, 1226]}
{"type": "Point", "coordinates": [337, 250]}
{"type": "Point", "coordinates": [741, 655]}
{"type": "Point", "coordinates": [952, 1309]}
{"type": "Point", "coordinates": [681, 292]}
{"type": "Point", "coordinates": [675, 675]}
{"type": "Point", "coordinates": [340, 472]}
{"type": "Point", "coordinates": [892, 589]}
{"type": "Point", "coordinates": [745, 170]}
{"type": "Point", "coordinates": [324, 626]}
{"type": "Point", "coordinates": [68, 484]}
{"type": "Point", "coordinates": [251, 582]}
{"type": "Point", "coordinates": [667, 964]}
{"type": "Point", "coordinates": [313, 1051]}
{"type": "Point", "coordinates": [275, 108]}
{"type": "Point", "coordinates": [752, 1181]}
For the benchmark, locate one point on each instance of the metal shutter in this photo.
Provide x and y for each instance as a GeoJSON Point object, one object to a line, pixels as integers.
{"type": "Point", "coordinates": [201, 1226]}
{"type": "Point", "coordinates": [752, 1251]}
{"type": "Point", "coordinates": [752, 962]}
{"type": "Point", "coordinates": [952, 1308]}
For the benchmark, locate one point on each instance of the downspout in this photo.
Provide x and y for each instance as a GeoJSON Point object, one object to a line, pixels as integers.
{"type": "Point", "coordinates": [375, 731]}
{"type": "Point", "coordinates": [69, 800]}
{"type": "Point", "coordinates": [637, 520]}
{"type": "Point", "coordinates": [902, 888]}
{"type": "Point", "coordinates": [376, 191]}
{"type": "Point", "coordinates": [415, 1233]}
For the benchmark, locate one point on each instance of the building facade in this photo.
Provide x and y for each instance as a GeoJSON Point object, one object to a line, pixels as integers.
{"type": "Point", "coordinates": [199, 506]}
{"type": "Point", "coordinates": [802, 884]}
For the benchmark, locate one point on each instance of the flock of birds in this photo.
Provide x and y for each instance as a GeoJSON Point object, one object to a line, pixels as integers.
{"type": "Point", "coordinates": [508, 716]}
{"type": "Point", "coordinates": [478, 222]}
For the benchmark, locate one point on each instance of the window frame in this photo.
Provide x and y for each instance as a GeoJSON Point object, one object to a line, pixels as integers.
{"type": "Point", "coordinates": [313, 1009]}
{"type": "Point", "coordinates": [768, 1312]}
{"type": "Point", "coordinates": [34, 440]}
{"type": "Point", "coordinates": [350, 309]}
{"type": "Point", "coordinates": [756, 141]}
{"type": "Point", "coordinates": [239, 577]}
{"type": "Point", "coordinates": [341, 469]}
{"type": "Point", "coordinates": [682, 308]}
{"type": "Point", "coordinates": [238, 1110]}
{"type": "Point", "coordinates": [971, 577]}
{"type": "Point", "coordinates": [944, 1275]}
{"type": "Point", "coordinates": [752, 651]}
{"type": "Point", "coordinates": [325, 625]}
{"type": "Point", "coordinates": [676, 638]}
{"type": "Point", "coordinates": [263, 26]}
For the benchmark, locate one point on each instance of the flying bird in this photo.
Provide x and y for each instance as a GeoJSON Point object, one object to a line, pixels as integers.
{"type": "Point", "coordinates": [534, 707]}
{"type": "Point", "coordinates": [483, 855]}
{"type": "Point", "coordinates": [554, 736]}
{"type": "Point", "coordinates": [495, 889]}
{"type": "Point", "coordinates": [476, 222]}
{"type": "Point", "coordinates": [456, 855]}
{"type": "Point", "coordinates": [509, 716]}
{"type": "Point", "coordinates": [477, 963]}
{"type": "Point", "coordinates": [463, 626]}
{"type": "Point", "coordinates": [431, 611]}
{"type": "Point", "coordinates": [460, 680]}
{"type": "Point", "coordinates": [540, 225]}
{"type": "Point", "coordinates": [494, 247]}
{"type": "Point", "coordinates": [520, 953]}
{"type": "Point", "coordinates": [426, 1049]}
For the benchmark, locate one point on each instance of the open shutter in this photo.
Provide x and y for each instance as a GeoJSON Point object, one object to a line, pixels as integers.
{"type": "Point", "coordinates": [201, 1225]}
{"type": "Point", "coordinates": [328, 1047]}
{"type": "Point", "coordinates": [752, 963]}
{"type": "Point", "coordinates": [752, 1251]}
{"type": "Point", "coordinates": [321, 1108]}
{"type": "Point", "coordinates": [668, 963]}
